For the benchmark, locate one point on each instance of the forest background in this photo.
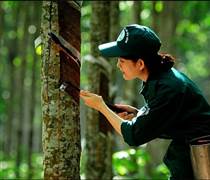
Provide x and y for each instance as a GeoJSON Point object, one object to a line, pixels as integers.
{"type": "Point", "coordinates": [184, 28]}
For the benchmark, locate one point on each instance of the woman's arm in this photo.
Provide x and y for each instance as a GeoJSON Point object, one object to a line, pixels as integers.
{"type": "Point", "coordinates": [95, 101]}
{"type": "Point", "coordinates": [129, 112]}
{"type": "Point", "coordinates": [113, 118]}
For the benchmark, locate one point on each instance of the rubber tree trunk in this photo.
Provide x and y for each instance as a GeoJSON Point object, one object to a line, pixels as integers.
{"type": "Point", "coordinates": [98, 136]}
{"type": "Point", "coordinates": [60, 111]}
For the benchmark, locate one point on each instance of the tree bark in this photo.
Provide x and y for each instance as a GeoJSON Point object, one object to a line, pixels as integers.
{"type": "Point", "coordinates": [113, 33]}
{"type": "Point", "coordinates": [114, 20]}
{"type": "Point", "coordinates": [137, 8]}
{"type": "Point", "coordinates": [98, 136]}
{"type": "Point", "coordinates": [60, 112]}
{"type": "Point", "coordinates": [168, 20]}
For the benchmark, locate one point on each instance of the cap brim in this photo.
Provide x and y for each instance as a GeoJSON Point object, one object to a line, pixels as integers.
{"type": "Point", "coordinates": [111, 50]}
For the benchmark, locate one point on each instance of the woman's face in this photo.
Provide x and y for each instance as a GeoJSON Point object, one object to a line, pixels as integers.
{"type": "Point", "coordinates": [129, 68]}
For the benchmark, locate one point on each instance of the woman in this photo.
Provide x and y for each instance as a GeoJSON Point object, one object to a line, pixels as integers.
{"type": "Point", "coordinates": [175, 107]}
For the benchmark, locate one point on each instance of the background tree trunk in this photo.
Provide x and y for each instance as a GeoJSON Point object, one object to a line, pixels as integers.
{"type": "Point", "coordinates": [155, 17]}
{"type": "Point", "coordinates": [10, 131]}
{"type": "Point", "coordinates": [168, 20]}
{"type": "Point", "coordinates": [35, 9]}
{"type": "Point", "coordinates": [114, 20]}
{"type": "Point", "coordinates": [116, 77]}
{"type": "Point", "coordinates": [2, 129]}
{"type": "Point", "coordinates": [113, 33]}
{"type": "Point", "coordinates": [137, 8]}
{"type": "Point", "coordinates": [60, 112]}
{"type": "Point", "coordinates": [98, 137]}
{"type": "Point", "coordinates": [1, 22]}
{"type": "Point", "coordinates": [21, 118]}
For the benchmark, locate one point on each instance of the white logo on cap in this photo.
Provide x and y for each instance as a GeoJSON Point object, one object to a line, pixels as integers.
{"type": "Point", "coordinates": [124, 34]}
{"type": "Point", "coordinates": [121, 36]}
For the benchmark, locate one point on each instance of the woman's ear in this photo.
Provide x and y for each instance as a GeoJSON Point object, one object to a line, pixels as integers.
{"type": "Point", "coordinates": [140, 64]}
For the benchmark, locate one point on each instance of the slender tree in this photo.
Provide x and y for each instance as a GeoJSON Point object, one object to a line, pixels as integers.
{"type": "Point", "coordinates": [2, 13]}
{"type": "Point", "coordinates": [137, 8]}
{"type": "Point", "coordinates": [155, 16]}
{"type": "Point", "coordinates": [20, 120]}
{"type": "Point", "coordinates": [169, 19]}
{"type": "Point", "coordinates": [113, 33]}
{"type": "Point", "coordinates": [60, 112]}
{"type": "Point", "coordinates": [10, 132]}
{"type": "Point", "coordinates": [114, 20]}
{"type": "Point", "coordinates": [35, 11]}
{"type": "Point", "coordinates": [98, 137]}
{"type": "Point", "coordinates": [115, 80]}
{"type": "Point", "coordinates": [1, 21]}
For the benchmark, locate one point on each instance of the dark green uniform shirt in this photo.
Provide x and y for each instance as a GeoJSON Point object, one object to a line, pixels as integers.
{"type": "Point", "coordinates": [175, 109]}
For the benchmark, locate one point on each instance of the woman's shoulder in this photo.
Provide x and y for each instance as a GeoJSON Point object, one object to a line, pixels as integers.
{"type": "Point", "coordinates": [178, 82]}
{"type": "Point", "coordinates": [173, 80]}
{"type": "Point", "coordinates": [169, 83]}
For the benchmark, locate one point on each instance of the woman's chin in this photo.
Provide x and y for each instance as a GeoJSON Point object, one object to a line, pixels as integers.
{"type": "Point", "coordinates": [126, 77]}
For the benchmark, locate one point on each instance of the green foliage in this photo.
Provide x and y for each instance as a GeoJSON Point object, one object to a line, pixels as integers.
{"type": "Point", "coordinates": [8, 168]}
{"type": "Point", "coordinates": [128, 164]}
{"type": "Point", "coordinates": [85, 29]}
{"type": "Point", "coordinates": [131, 164]}
{"type": "Point", "coordinates": [192, 40]}
{"type": "Point", "coordinates": [9, 5]}
{"type": "Point", "coordinates": [159, 6]}
{"type": "Point", "coordinates": [17, 61]}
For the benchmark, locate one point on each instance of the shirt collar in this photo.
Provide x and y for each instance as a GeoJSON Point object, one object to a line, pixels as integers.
{"type": "Point", "coordinates": [148, 88]}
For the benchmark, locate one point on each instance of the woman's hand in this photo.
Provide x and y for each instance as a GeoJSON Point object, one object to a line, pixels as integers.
{"type": "Point", "coordinates": [126, 115]}
{"type": "Point", "coordinates": [127, 108]}
{"type": "Point", "coordinates": [95, 101]}
{"type": "Point", "coordinates": [92, 100]}
{"type": "Point", "coordinates": [129, 111]}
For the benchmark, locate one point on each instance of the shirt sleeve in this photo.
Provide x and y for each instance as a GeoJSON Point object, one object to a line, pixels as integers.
{"type": "Point", "coordinates": [161, 113]}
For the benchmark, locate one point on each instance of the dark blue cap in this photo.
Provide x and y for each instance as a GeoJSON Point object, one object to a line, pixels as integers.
{"type": "Point", "coordinates": [133, 41]}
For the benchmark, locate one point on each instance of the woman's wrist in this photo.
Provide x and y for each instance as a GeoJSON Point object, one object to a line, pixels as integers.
{"type": "Point", "coordinates": [102, 107]}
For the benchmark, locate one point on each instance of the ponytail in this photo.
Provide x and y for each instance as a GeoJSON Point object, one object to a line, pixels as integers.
{"type": "Point", "coordinates": [159, 62]}
{"type": "Point", "coordinates": [166, 61]}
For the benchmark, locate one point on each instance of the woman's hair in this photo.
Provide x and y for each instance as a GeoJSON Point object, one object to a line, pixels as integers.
{"type": "Point", "coordinates": [159, 62]}
{"type": "Point", "coordinates": [156, 63]}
